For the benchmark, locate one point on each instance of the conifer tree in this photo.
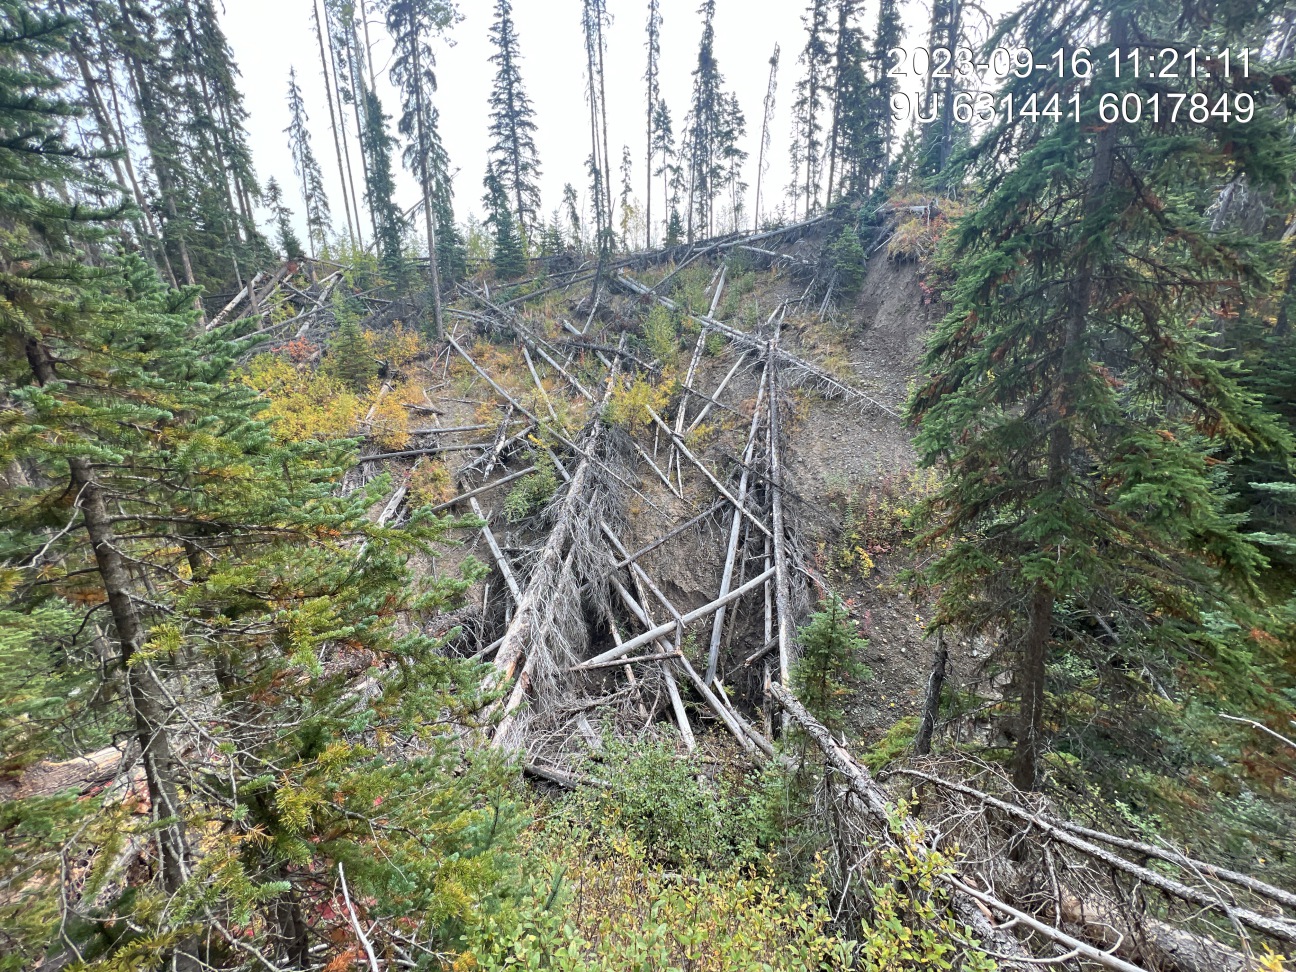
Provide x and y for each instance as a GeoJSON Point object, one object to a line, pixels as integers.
{"type": "Point", "coordinates": [941, 135]}
{"type": "Point", "coordinates": [846, 65]}
{"type": "Point", "coordinates": [663, 144]}
{"type": "Point", "coordinates": [878, 123]}
{"type": "Point", "coordinates": [282, 216]}
{"type": "Point", "coordinates": [152, 524]}
{"type": "Point", "coordinates": [715, 124]}
{"type": "Point", "coordinates": [808, 128]}
{"type": "Point", "coordinates": [627, 210]}
{"type": "Point", "coordinates": [653, 81]}
{"type": "Point", "coordinates": [381, 193]}
{"type": "Point", "coordinates": [767, 118]}
{"type": "Point", "coordinates": [509, 256]}
{"type": "Point", "coordinates": [1072, 396]}
{"type": "Point", "coordinates": [167, 66]}
{"type": "Point", "coordinates": [852, 124]}
{"type": "Point", "coordinates": [829, 661]}
{"type": "Point", "coordinates": [412, 25]}
{"type": "Point", "coordinates": [514, 158]}
{"type": "Point", "coordinates": [571, 209]}
{"type": "Point", "coordinates": [314, 198]}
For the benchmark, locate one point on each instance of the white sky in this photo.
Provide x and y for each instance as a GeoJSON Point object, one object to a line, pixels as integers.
{"type": "Point", "coordinates": [269, 36]}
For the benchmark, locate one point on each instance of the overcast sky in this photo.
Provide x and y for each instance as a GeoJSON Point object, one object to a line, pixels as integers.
{"type": "Point", "coordinates": [269, 36]}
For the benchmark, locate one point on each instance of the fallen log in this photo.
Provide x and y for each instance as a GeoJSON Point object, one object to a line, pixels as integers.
{"type": "Point", "coordinates": [782, 592]}
{"type": "Point", "coordinates": [1065, 834]}
{"type": "Point", "coordinates": [638, 659]}
{"type": "Point", "coordinates": [1154, 941]}
{"type": "Point", "coordinates": [662, 629]}
{"type": "Point", "coordinates": [643, 551]}
{"type": "Point", "coordinates": [486, 488]}
{"type": "Point", "coordinates": [731, 722]}
{"type": "Point", "coordinates": [520, 639]}
{"type": "Point", "coordinates": [832, 385]}
{"type": "Point", "coordinates": [500, 560]}
{"type": "Point", "coordinates": [735, 529]}
{"type": "Point", "coordinates": [701, 467]}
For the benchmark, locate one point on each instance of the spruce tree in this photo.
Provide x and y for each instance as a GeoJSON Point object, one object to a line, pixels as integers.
{"type": "Point", "coordinates": [808, 134]}
{"type": "Point", "coordinates": [627, 191]}
{"type": "Point", "coordinates": [829, 662]}
{"type": "Point", "coordinates": [652, 79]}
{"type": "Point", "coordinates": [412, 25]}
{"type": "Point", "coordinates": [877, 136]}
{"type": "Point", "coordinates": [513, 154]}
{"type": "Point", "coordinates": [381, 193]}
{"type": "Point", "coordinates": [942, 136]}
{"type": "Point", "coordinates": [1073, 397]}
{"type": "Point", "coordinates": [282, 215]}
{"type": "Point", "coordinates": [846, 66]}
{"type": "Point", "coordinates": [663, 144]}
{"type": "Point", "coordinates": [163, 551]}
{"type": "Point", "coordinates": [314, 198]}
{"type": "Point", "coordinates": [509, 258]}
{"type": "Point", "coordinates": [571, 210]}
{"type": "Point", "coordinates": [167, 67]}
{"type": "Point", "coordinates": [715, 124]}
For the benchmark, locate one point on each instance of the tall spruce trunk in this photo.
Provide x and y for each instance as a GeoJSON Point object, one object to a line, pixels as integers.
{"type": "Point", "coordinates": [337, 143]}
{"type": "Point", "coordinates": [1032, 672]}
{"type": "Point", "coordinates": [145, 693]}
{"type": "Point", "coordinates": [434, 269]}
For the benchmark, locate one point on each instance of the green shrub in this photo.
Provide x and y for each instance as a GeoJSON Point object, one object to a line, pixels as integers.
{"type": "Point", "coordinates": [531, 492]}
{"type": "Point", "coordinates": [848, 258]}
{"type": "Point", "coordinates": [661, 335]}
{"type": "Point", "coordinates": [829, 647]}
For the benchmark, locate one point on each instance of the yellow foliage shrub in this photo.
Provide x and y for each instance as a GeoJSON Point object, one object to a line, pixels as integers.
{"type": "Point", "coordinates": [922, 223]}
{"type": "Point", "coordinates": [629, 407]}
{"type": "Point", "coordinates": [389, 425]}
{"type": "Point", "coordinates": [398, 347]}
{"type": "Point", "coordinates": [304, 404]}
{"type": "Point", "coordinates": [430, 484]}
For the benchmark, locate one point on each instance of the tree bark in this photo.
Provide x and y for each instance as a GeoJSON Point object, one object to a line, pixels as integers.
{"type": "Point", "coordinates": [434, 269]}
{"type": "Point", "coordinates": [148, 709]}
{"type": "Point", "coordinates": [931, 705]}
{"type": "Point", "coordinates": [337, 144]}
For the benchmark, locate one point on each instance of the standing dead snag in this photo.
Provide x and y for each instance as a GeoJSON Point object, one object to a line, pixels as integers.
{"type": "Point", "coordinates": [931, 704]}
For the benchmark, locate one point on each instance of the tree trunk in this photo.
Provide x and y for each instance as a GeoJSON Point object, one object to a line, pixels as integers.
{"type": "Point", "coordinates": [931, 705]}
{"type": "Point", "coordinates": [361, 113]}
{"type": "Point", "coordinates": [337, 144]}
{"type": "Point", "coordinates": [1075, 362]}
{"type": "Point", "coordinates": [1031, 674]}
{"type": "Point", "coordinates": [147, 698]}
{"type": "Point", "coordinates": [434, 269]}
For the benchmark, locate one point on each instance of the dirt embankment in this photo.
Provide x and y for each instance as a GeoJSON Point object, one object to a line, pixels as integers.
{"type": "Point", "coordinates": [857, 477]}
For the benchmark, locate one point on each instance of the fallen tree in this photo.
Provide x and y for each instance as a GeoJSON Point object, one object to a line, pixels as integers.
{"type": "Point", "coordinates": [1112, 934]}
